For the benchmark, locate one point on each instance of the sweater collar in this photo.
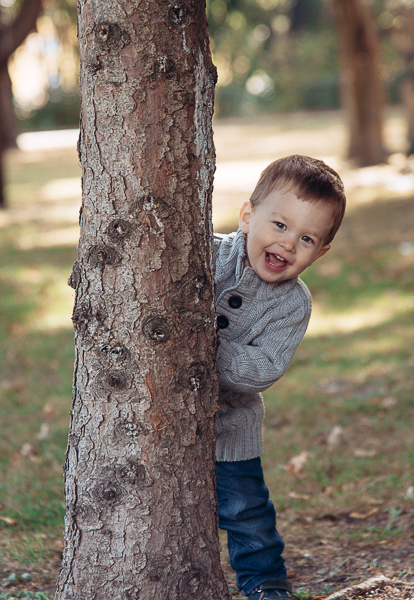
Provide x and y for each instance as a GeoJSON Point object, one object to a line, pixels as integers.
{"type": "Point", "coordinates": [239, 246]}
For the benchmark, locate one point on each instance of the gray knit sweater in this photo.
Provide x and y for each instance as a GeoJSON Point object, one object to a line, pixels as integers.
{"type": "Point", "coordinates": [261, 324]}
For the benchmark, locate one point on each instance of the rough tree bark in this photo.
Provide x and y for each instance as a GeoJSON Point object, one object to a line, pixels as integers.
{"type": "Point", "coordinates": [11, 36]}
{"type": "Point", "coordinates": [139, 475]}
{"type": "Point", "coordinates": [362, 85]}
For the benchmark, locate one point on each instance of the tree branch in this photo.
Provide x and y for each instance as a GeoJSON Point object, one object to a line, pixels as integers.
{"type": "Point", "coordinates": [365, 586]}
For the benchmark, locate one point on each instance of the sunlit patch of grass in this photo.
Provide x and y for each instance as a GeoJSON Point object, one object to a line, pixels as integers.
{"type": "Point", "coordinates": [27, 550]}
{"type": "Point", "coordinates": [36, 362]}
{"type": "Point", "coordinates": [33, 286]}
{"type": "Point", "coordinates": [33, 501]}
{"type": "Point", "coordinates": [34, 414]}
{"type": "Point", "coordinates": [29, 172]}
{"type": "Point", "coordinates": [371, 463]}
{"type": "Point", "coordinates": [353, 371]}
{"type": "Point", "coordinates": [369, 291]}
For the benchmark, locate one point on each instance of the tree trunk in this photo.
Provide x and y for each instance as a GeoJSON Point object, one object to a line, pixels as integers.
{"type": "Point", "coordinates": [141, 510]}
{"type": "Point", "coordinates": [402, 36]}
{"type": "Point", "coordinates": [407, 99]}
{"type": "Point", "coordinates": [11, 36]}
{"type": "Point", "coordinates": [363, 93]}
{"type": "Point", "coordinates": [8, 126]}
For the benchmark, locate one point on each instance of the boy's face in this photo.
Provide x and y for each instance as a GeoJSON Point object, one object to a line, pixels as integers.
{"type": "Point", "coordinates": [285, 235]}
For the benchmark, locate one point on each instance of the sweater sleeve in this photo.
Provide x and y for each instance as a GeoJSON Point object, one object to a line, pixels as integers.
{"type": "Point", "coordinates": [255, 366]}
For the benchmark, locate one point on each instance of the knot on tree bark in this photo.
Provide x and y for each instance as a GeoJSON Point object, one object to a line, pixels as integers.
{"type": "Point", "coordinates": [192, 377]}
{"type": "Point", "coordinates": [110, 36]}
{"type": "Point", "coordinates": [178, 17]}
{"type": "Point", "coordinates": [157, 329]}
{"type": "Point", "coordinates": [101, 256]}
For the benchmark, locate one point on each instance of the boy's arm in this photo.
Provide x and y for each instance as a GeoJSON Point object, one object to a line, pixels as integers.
{"type": "Point", "coordinates": [256, 366]}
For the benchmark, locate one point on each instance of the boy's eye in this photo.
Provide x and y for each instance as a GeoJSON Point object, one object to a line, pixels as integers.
{"type": "Point", "coordinates": [307, 239]}
{"type": "Point", "coordinates": [280, 225]}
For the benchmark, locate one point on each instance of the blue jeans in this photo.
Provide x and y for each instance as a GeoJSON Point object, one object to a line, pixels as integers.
{"type": "Point", "coordinates": [249, 517]}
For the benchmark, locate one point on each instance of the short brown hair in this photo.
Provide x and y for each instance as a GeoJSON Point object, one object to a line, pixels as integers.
{"type": "Point", "coordinates": [310, 179]}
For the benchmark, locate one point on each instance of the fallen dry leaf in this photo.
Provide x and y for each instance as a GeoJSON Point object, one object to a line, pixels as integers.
{"type": "Point", "coordinates": [389, 402]}
{"type": "Point", "coordinates": [299, 496]}
{"type": "Point", "coordinates": [8, 520]}
{"type": "Point", "coordinates": [44, 432]}
{"type": "Point", "coordinates": [362, 453]}
{"type": "Point", "coordinates": [358, 515]}
{"type": "Point", "coordinates": [29, 451]}
{"type": "Point", "coordinates": [334, 436]}
{"type": "Point", "coordinates": [296, 463]}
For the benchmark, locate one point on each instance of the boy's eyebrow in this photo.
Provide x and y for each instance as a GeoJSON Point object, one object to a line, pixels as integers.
{"type": "Point", "coordinates": [279, 215]}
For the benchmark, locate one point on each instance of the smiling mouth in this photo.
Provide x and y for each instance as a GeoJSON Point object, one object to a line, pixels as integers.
{"type": "Point", "coordinates": [275, 260]}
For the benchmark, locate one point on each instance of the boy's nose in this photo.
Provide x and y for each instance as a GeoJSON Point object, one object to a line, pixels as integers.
{"type": "Point", "coordinates": [288, 244]}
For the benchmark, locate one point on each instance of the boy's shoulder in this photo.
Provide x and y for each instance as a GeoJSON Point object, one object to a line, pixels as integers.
{"type": "Point", "coordinates": [226, 238]}
{"type": "Point", "coordinates": [229, 242]}
{"type": "Point", "coordinates": [229, 250]}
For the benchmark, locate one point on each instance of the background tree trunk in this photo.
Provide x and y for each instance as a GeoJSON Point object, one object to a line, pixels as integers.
{"type": "Point", "coordinates": [11, 36]}
{"type": "Point", "coordinates": [141, 511]}
{"type": "Point", "coordinates": [363, 93]}
{"type": "Point", "coordinates": [402, 35]}
{"type": "Point", "coordinates": [8, 125]}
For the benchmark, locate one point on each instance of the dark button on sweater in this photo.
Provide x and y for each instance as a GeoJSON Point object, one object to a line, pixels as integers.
{"type": "Point", "coordinates": [222, 321]}
{"type": "Point", "coordinates": [235, 301]}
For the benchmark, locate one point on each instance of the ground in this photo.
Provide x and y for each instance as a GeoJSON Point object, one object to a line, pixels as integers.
{"type": "Point", "coordinates": [316, 570]}
{"type": "Point", "coordinates": [340, 529]}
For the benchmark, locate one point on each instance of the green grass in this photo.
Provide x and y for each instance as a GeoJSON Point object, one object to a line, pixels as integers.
{"type": "Point", "coordinates": [24, 595]}
{"type": "Point", "coordinates": [36, 363]}
{"type": "Point", "coordinates": [353, 371]}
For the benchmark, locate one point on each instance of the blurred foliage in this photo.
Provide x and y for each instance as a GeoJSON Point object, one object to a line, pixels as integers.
{"type": "Point", "coordinates": [281, 55]}
{"type": "Point", "coordinates": [271, 55]}
{"type": "Point", "coordinates": [45, 70]}
{"type": "Point", "coordinates": [59, 113]}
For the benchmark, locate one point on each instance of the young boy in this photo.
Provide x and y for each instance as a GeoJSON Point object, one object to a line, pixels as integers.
{"type": "Point", "coordinates": [263, 310]}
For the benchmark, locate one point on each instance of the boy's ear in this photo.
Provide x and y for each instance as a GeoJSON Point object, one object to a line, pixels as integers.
{"type": "Point", "coordinates": [245, 216]}
{"type": "Point", "coordinates": [323, 251]}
